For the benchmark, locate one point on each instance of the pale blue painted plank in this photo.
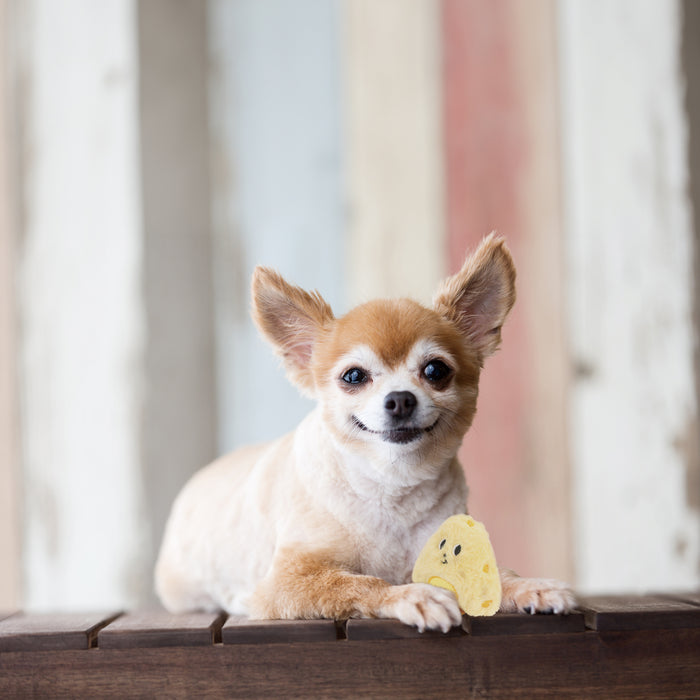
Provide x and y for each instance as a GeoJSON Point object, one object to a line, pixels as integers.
{"type": "Point", "coordinates": [275, 113]}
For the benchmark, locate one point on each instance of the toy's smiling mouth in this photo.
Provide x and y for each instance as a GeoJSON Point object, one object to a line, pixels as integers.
{"type": "Point", "coordinates": [397, 435]}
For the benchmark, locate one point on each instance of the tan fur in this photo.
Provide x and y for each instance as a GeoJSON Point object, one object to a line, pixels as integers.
{"type": "Point", "coordinates": [328, 520]}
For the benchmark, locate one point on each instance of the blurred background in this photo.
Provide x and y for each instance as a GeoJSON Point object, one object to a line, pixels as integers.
{"type": "Point", "coordinates": [153, 151]}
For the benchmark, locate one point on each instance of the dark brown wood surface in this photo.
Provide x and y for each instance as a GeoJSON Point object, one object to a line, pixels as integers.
{"type": "Point", "coordinates": [392, 629]}
{"type": "Point", "coordinates": [693, 598]}
{"type": "Point", "coordinates": [658, 664]}
{"type": "Point", "coordinates": [50, 631]}
{"type": "Point", "coordinates": [240, 630]}
{"type": "Point", "coordinates": [499, 657]}
{"type": "Point", "coordinates": [158, 628]}
{"type": "Point", "coordinates": [604, 613]}
{"type": "Point", "coordinates": [513, 623]}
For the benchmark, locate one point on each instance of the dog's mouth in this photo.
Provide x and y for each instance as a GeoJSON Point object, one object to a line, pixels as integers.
{"type": "Point", "coordinates": [401, 435]}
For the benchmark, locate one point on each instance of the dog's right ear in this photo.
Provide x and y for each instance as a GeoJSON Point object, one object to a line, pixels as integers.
{"type": "Point", "coordinates": [292, 320]}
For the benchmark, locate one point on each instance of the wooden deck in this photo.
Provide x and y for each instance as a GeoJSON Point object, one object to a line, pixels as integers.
{"type": "Point", "coordinates": [613, 647]}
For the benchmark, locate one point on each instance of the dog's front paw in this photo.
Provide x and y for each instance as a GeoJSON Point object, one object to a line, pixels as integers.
{"type": "Point", "coordinates": [535, 595]}
{"type": "Point", "coordinates": [423, 606]}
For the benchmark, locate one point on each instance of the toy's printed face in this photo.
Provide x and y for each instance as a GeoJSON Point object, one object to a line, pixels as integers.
{"type": "Point", "coordinates": [459, 557]}
{"type": "Point", "coordinates": [447, 549]}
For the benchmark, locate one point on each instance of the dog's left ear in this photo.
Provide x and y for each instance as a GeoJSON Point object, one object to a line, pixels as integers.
{"type": "Point", "coordinates": [291, 319]}
{"type": "Point", "coordinates": [478, 298]}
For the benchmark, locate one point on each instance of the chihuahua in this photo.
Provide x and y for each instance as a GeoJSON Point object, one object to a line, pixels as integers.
{"type": "Point", "coordinates": [327, 521]}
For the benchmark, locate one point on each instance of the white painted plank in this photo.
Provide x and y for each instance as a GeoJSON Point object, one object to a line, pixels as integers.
{"type": "Point", "coordinates": [9, 467]}
{"type": "Point", "coordinates": [629, 238]}
{"type": "Point", "coordinates": [79, 286]}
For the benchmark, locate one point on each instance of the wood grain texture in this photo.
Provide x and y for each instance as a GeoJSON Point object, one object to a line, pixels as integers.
{"type": "Point", "coordinates": [158, 628]}
{"type": "Point", "coordinates": [514, 623]}
{"type": "Point", "coordinates": [659, 664]}
{"type": "Point", "coordinates": [394, 160]}
{"type": "Point", "coordinates": [42, 632]}
{"type": "Point", "coordinates": [393, 629]}
{"type": "Point", "coordinates": [689, 597]}
{"type": "Point", "coordinates": [241, 630]}
{"type": "Point", "coordinates": [625, 613]}
{"type": "Point", "coordinates": [501, 105]}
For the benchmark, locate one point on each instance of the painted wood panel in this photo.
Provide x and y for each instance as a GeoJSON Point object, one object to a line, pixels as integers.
{"type": "Point", "coordinates": [277, 189]}
{"type": "Point", "coordinates": [9, 463]}
{"type": "Point", "coordinates": [81, 337]}
{"type": "Point", "coordinates": [630, 262]}
{"type": "Point", "coordinates": [500, 97]}
{"type": "Point", "coordinates": [179, 420]}
{"type": "Point", "coordinates": [393, 133]}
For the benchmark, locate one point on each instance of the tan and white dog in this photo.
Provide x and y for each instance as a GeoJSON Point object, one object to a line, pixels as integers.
{"type": "Point", "coordinates": [328, 520]}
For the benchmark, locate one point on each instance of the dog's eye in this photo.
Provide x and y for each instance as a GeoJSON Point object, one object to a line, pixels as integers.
{"type": "Point", "coordinates": [442, 544]}
{"type": "Point", "coordinates": [436, 371]}
{"type": "Point", "coordinates": [457, 549]}
{"type": "Point", "coordinates": [355, 376]}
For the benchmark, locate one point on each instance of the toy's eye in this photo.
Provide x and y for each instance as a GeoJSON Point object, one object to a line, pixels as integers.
{"type": "Point", "coordinates": [355, 376]}
{"type": "Point", "coordinates": [457, 549]}
{"type": "Point", "coordinates": [442, 544]}
{"type": "Point", "coordinates": [436, 371]}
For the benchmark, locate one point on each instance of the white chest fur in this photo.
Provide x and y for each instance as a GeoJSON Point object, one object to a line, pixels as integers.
{"type": "Point", "coordinates": [387, 511]}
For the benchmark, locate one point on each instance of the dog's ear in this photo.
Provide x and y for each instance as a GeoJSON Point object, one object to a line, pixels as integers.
{"type": "Point", "coordinates": [478, 298]}
{"type": "Point", "coordinates": [292, 320]}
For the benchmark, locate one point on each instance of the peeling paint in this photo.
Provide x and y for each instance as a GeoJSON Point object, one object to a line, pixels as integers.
{"type": "Point", "coordinates": [687, 444]}
{"type": "Point", "coordinates": [81, 327]}
{"type": "Point", "coordinates": [630, 236]}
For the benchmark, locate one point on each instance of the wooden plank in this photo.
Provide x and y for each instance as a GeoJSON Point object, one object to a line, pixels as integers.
{"type": "Point", "coordinates": [617, 613]}
{"type": "Point", "coordinates": [393, 629]}
{"type": "Point", "coordinates": [515, 623]}
{"type": "Point", "coordinates": [42, 632]}
{"type": "Point", "coordinates": [655, 664]}
{"type": "Point", "coordinates": [241, 630]}
{"type": "Point", "coordinates": [11, 216]}
{"type": "Point", "coordinates": [7, 613]}
{"type": "Point", "coordinates": [687, 597]}
{"type": "Point", "coordinates": [501, 105]}
{"type": "Point", "coordinates": [394, 165]}
{"type": "Point", "coordinates": [158, 628]}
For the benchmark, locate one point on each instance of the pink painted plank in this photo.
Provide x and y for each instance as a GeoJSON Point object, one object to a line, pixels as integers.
{"type": "Point", "coordinates": [485, 148]}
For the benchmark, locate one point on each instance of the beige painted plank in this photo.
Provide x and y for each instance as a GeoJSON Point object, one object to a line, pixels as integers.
{"type": "Point", "coordinates": [394, 148]}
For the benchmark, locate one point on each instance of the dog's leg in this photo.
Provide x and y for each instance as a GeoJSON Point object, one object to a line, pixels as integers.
{"type": "Point", "coordinates": [533, 595]}
{"type": "Point", "coordinates": [304, 586]}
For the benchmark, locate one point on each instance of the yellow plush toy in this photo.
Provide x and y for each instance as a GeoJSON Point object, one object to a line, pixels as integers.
{"type": "Point", "coordinates": [459, 557]}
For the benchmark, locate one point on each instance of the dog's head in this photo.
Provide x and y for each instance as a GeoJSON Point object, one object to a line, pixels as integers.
{"type": "Point", "coordinates": [393, 377]}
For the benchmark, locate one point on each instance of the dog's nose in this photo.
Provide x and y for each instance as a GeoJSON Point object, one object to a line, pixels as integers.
{"type": "Point", "coordinates": [400, 404]}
